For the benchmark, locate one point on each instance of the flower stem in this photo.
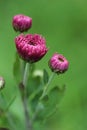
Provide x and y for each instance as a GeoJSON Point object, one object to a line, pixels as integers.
{"type": "Point", "coordinates": [22, 65]}
{"type": "Point", "coordinates": [26, 73]}
{"type": "Point", "coordinates": [47, 86]}
{"type": "Point", "coordinates": [26, 110]}
{"type": "Point", "coordinates": [27, 116]}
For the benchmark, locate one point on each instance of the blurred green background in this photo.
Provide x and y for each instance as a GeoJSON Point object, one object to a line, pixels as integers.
{"type": "Point", "coordinates": [64, 25]}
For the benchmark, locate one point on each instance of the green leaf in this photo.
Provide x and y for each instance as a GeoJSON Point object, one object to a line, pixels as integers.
{"type": "Point", "coordinates": [51, 102]}
{"type": "Point", "coordinates": [35, 98]}
{"type": "Point", "coordinates": [56, 94]}
{"type": "Point", "coordinates": [45, 76]}
{"type": "Point", "coordinates": [34, 91]}
{"type": "Point", "coordinates": [34, 86]}
{"type": "Point", "coordinates": [16, 69]}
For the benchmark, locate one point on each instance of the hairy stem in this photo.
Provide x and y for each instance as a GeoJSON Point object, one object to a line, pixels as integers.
{"type": "Point", "coordinates": [22, 65]}
{"type": "Point", "coordinates": [26, 110]}
{"type": "Point", "coordinates": [27, 116]}
{"type": "Point", "coordinates": [26, 74]}
{"type": "Point", "coordinates": [47, 86]}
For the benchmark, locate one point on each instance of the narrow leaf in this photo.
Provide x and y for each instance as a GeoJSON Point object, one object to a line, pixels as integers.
{"type": "Point", "coordinates": [45, 76]}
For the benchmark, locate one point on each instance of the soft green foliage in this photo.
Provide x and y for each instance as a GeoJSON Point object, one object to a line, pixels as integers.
{"type": "Point", "coordinates": [51, 102]}
{"type": "Point", "coordinates": [64, 24]}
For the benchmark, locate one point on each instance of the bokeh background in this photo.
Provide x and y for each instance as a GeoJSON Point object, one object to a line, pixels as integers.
{"type": "Point", "coordinates": [64, 25]}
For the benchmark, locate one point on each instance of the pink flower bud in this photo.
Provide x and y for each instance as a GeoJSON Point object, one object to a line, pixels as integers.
{"type": "Point", "coordinates": [21, 23]}
{"type": "Point", "coordinates": [31, 48]}
{"type": "Point", "coordinates": [58, 63]}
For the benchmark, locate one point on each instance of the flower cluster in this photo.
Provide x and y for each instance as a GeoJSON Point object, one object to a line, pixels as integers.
{"type": "Point", "coordinates": [32, 47]}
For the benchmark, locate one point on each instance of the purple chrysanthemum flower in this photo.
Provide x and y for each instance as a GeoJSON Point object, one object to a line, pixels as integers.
{"type": "Point", "coordinates": [58, 63]}
{"type": "Point", "coordinates": [21, 22]}
{"type": "Point", "coordinates": [31, 48]}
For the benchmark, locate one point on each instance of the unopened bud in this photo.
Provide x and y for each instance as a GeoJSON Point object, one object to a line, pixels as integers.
{"type": "Point", "coordinates": [58, 63]}
{"type": "Point", "coordinates": [21, 23]}
{"type": "Point", "coordinates": [2, 83]}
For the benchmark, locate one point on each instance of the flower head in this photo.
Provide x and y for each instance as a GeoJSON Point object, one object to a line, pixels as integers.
{"type": "Point", "coordinates": [58, 63]}
{"type": "Point", "coordinates": [31, 48]}
{"type": "Point", "coordinates": [21, 23]}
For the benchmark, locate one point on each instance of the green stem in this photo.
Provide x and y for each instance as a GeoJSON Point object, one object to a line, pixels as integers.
{"type": "Point", "coordinates": [47, 86]}
{"type": "Point", "coordinates": [26, 73]}
{"type": "Point", "coordinates": [25, 105]}
{"type": "Point", "coordinates": [22, 68]}
{"type": "Point", "coordinates": [39, 106]}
